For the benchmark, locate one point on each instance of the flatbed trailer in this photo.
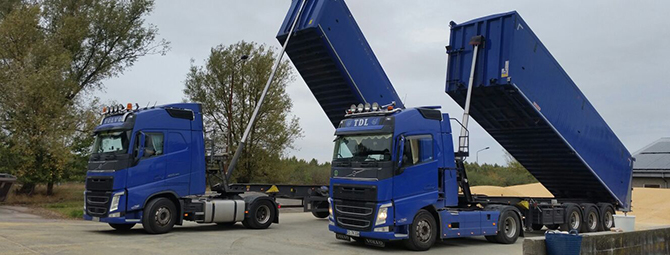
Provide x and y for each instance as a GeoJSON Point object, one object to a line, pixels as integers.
{"type": "Point", "coordinates": [313, 198]}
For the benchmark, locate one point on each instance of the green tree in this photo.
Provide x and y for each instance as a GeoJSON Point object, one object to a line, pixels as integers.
{"type": "Point", "coordinates": [53, 53]}
{"type": "Point", "coordinates": [275, 130]}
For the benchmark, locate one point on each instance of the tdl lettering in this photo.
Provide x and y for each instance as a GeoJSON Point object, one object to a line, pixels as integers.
{"type": "Point", "coordinates": [360, 122]}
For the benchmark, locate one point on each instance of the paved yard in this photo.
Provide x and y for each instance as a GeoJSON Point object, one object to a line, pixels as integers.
{"type": "Point", "coordinates": [297, 233]}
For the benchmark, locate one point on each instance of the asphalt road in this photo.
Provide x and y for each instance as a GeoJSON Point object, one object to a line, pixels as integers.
{"type": "Point", "coordinates": [297, 233]}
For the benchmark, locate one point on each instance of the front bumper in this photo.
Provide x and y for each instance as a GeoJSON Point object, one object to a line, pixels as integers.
{"type": "Point", "coordinates": [384, 236]}
{"type": "Point", "coordinates": [113, 220]}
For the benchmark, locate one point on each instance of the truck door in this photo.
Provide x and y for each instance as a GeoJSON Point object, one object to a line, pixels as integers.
{"type": "Point", "coordinates": [416, 179]}
{"type": "Point", "coordinates": [179, 162]}
{"type": "Point", "coordinates": [149, 172]}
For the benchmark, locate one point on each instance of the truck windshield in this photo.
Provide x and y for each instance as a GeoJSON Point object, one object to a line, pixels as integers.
{"type": "Point", "coordinates": [375, 147]}
{"type": "Point", "coordinates": [111, 142]}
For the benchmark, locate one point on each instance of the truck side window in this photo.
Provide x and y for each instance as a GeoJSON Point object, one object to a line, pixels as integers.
{"type": "Point", "coordinates": [418, 149]}
{"type": "Point", "coordinates": [153, 145]}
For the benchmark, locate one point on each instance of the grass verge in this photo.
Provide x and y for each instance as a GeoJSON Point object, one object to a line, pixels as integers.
{"type": "Point", "coordinates": [67, 202]}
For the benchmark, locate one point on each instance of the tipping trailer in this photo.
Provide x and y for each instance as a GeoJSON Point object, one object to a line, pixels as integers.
{"type": "Point", "coordinates": [396, 173]}
{"type": "Point", "coordinates": [333, 57]}
{"type": "Point", "coordinates": [529, 104]}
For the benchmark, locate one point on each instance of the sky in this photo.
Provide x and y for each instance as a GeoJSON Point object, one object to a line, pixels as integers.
{"type": "Point", "coordinates": [615, 51]}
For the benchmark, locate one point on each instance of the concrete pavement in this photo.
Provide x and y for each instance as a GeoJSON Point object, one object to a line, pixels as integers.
{"type": "Point", "coordinates": [297, 233]}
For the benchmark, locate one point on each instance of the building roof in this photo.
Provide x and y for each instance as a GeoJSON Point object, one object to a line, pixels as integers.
{"type": "Point", "coordinates": [653, 160]}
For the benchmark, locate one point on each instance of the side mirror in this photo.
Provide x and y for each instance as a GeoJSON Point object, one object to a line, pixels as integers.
{"type": "Point", "coordinates": [401, 151]}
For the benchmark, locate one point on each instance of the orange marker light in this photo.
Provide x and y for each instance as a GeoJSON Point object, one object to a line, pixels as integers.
{"type": "Point", "coordinates": [185, 214]}
{"type": "Point", "coordinates": [129, 107]}
{"type": "Point", "coordinates": [104, 109]}
{"type": "Point", "coordinates": [390, 107]}
{"type": "Point", "coordinates": [246, 212]}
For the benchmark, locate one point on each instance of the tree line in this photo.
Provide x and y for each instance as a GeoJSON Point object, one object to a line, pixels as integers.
{"type": "Point", "coordinates": [512, 173]}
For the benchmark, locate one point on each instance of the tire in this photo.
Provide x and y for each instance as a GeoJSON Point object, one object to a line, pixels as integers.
{"type": "Point", "coordinates": [606, 217]}
{"type": "Point", "coordinates": [122, 227]}
{"type": "Point", "coordinates": [261, 215]}
{"type": "Point", "coordinates": [159, 217]}
{"type": "Point", "coordinates": [422, 232]}
{"type": "Point", "coordinates": [510, 227]}
{"type": "Point", "coordinates": [573, 218]}
{"type": "Point", "coordinates": [320, 215]}
{"type": "Point", "coordinates": [553, 226]}
{"type": "Point", "coordinates": [592, 221]}
{"type": "Point", "coordinates": [537, 227]}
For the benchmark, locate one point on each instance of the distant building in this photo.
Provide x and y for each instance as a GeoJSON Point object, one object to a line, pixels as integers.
{"type": "Point", "coordinates": [652, 165]}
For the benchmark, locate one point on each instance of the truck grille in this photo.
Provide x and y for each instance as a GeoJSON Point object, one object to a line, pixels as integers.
{"type": "Point", "coordinates": [354, 215]}
{"type": "Point", "coordinates": [101, 183]}
{"type": "Point", "coordinates": [97, 203]}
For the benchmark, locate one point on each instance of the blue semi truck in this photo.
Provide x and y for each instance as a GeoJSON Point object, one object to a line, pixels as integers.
{"type": "Point", "coordinates": [149, 165]}
{"type": "Point", "coordinates": [397, 173]}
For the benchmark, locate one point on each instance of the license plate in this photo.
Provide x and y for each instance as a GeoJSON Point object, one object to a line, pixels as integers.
{"type": "Point", "coordinates": [342, 237]}
{"type": "Point", "coordinates": [95, 219]}
{"type": "Point", "coordinates": [353, 233]}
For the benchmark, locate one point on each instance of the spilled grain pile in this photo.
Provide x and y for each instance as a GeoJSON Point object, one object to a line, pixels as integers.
{"type": "Point", "coordinates": [651, 207]}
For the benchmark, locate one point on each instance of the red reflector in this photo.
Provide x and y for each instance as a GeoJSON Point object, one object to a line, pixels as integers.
{"type": "Point", "coordinates": [279, 206]}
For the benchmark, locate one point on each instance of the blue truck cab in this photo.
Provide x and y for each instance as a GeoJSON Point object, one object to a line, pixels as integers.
{"type": "Point", "coordinates": [148, 166]}
{"type": "Point", "coordinates": [394, 170]}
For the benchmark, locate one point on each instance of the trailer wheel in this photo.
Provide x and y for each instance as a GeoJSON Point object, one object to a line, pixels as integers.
{"type": "Point", "coordinates": [320, 215]}
{"type": "Point", "coordinates": [607, 217]}
{"type": "Point", "coordinates": [591, 219]}
{"type": "Point", "coordinates": [422, 232]}
{"type": "Point", "coordinates": [159, 217]}
{"type": "Point", "coordinates": [260, 216]}
{"type": "Point", "coordinates": [122, 227]}
{"type": "Point", "coordinates": [573, 219]}
{"type": "Point", "coordinates": [510, 227]}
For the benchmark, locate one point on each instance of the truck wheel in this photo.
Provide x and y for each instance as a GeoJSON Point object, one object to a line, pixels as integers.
{"type": "Point", "coordinates": [122, 227]}
{"type": "Point", "coordinates": [261, 214]}
{"type": "Point", "coordinates": [422, 232]}
{"type": "Point", "coordinates": [553, 226]}
{"type": "Point", "coordinates": [607, 217]}
{"type": "Point", "coordinates": [510, 227]}
{"type": "Point", "coordinates": [537, 227]}
{"type": "Point", "coordinates": [591, 219]}
{"type": "Point", "coordinates": [320, 215]}
{"type": "Point", "coordinates": [573, 219]}
{"type": "Point", "coordinates": [159, 217]}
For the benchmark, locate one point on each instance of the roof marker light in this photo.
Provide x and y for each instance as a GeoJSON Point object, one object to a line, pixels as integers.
{"type": "Point", "coordinates": [129, 107]}
{"type": "Point", "coordinates": [390, 108]}
{"type": "Point", "coordinates": [375, 106]}
{"type": "Point", "coordinates": [104, 109]}
{"type": "Point", "coordinates": [360, 107]}
{"type": "Point", "coordinates": [367, 107]}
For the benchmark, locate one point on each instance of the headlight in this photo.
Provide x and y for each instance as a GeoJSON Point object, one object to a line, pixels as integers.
{"type": "Point", "coordinates": [382, 214]}
{"type": "Point", "coordinates": [115, 202]}
{"type": "Point", "coordinates": [330, 209]}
